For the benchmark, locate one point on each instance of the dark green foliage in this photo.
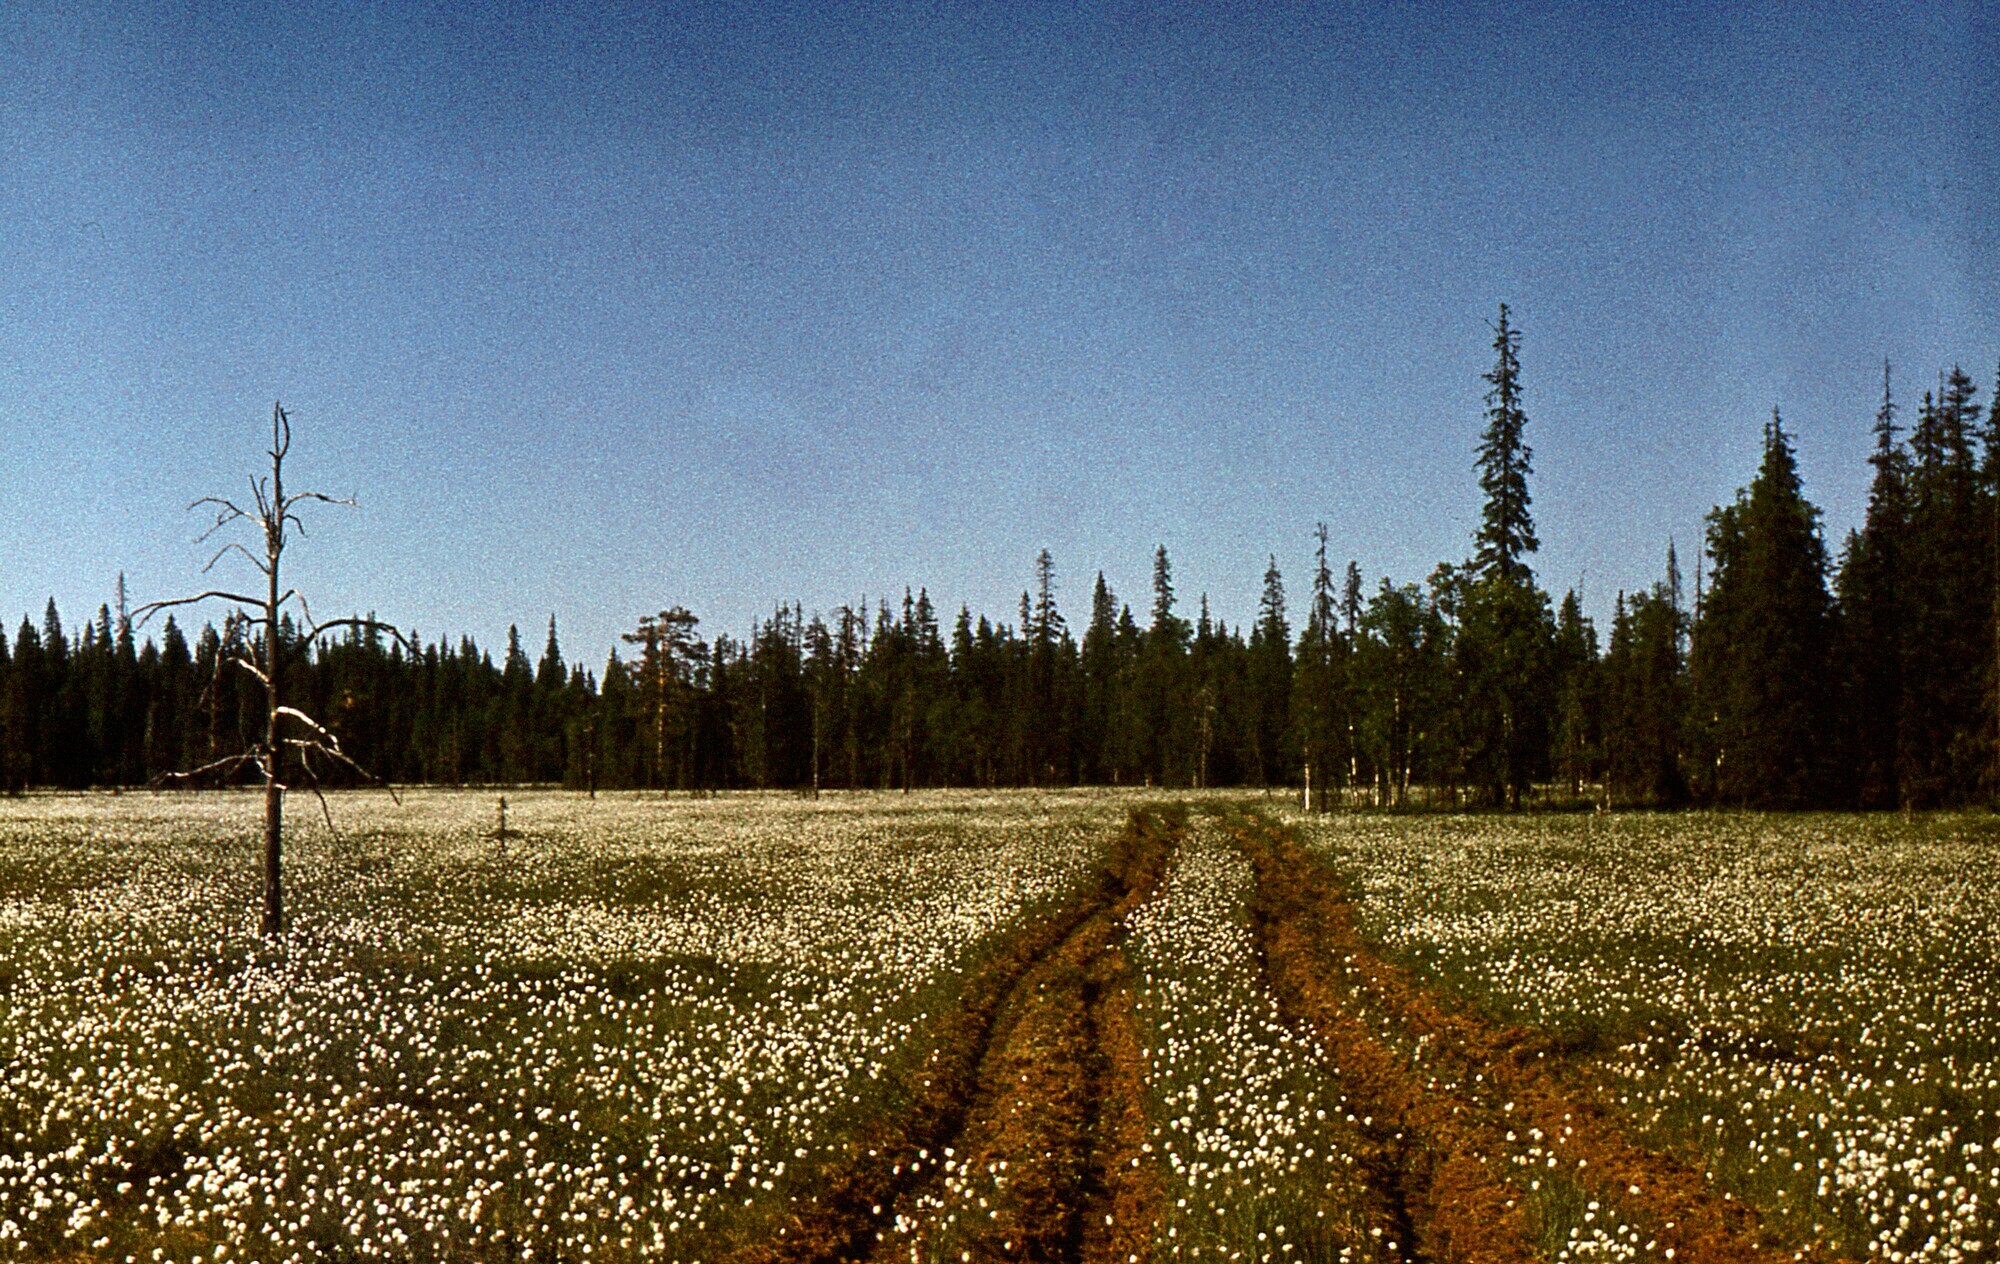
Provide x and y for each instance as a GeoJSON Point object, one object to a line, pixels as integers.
{"type": "Point", "coordinates": [1321, 736]}
{"type": "Point", "coordinates": [1468, 690]}
{"type": "Point", "coordinates": [1268, 684]}
{"type": "Point", "coordinates": [1402, 691]}
{"type": "Point", "coordinates": [1872, 626]}
{"type": "Point", "coordinates": [1576, 677]}
{"type": "Point", "coordinates": [1945, 600]}
{"type": "Point", "coordinates": [1645, 697]}
{"type": "Point", "coordinates": [1507, 672]}
{"type": "Point", "coordinates": [1506, 529]}
{"type": "Point", "coordinates": [1763, 647]}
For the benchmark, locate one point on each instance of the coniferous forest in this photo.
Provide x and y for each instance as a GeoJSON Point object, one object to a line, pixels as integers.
{"type": "Point", "coordinates": [1787, 675]}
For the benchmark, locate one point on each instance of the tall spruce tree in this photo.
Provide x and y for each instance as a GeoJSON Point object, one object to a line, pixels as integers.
{"type": "Point", "coordinates": [1506, 632]}
{"type": "Point", "coordinates": [1870, 587]}
{"type": "Point", "coordinates": [1946, 602]}
{"type": "Point", "coordinates": [1101, 665]}
{"type": "Point", "coordinates": [1318, 722]}
{"type": "Point", "coordinates": [1167, 706]}
{"type": "Point", "coordinates": [1764, 645]}
{"type": "Point", "coordinates": [1506, 528]}
{"type": "Point", "coordinates": [1049, 651]}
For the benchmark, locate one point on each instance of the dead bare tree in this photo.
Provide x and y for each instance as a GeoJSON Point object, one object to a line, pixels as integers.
{"type": "Point", "coordinates": [255, 623]}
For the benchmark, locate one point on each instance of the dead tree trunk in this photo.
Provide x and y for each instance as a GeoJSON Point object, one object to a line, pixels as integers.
{"type": "Point", "coordinates": [272, 511]}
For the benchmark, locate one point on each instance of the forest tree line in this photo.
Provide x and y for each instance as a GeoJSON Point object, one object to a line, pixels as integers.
{"type": "Point", "coordinates": [1783, 677]}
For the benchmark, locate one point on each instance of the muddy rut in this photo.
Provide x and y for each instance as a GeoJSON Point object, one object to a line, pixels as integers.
{"type": "Point", "coordinates": [1025, 1134]}
{"type": "Point", "coordinates": [1443, 1130]}
{"type": "Point", "coordinates": [1022, 1136]}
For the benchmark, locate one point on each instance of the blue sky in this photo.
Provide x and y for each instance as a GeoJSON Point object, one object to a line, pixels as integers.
{"type": "Point", "coordinates": [598, 310]}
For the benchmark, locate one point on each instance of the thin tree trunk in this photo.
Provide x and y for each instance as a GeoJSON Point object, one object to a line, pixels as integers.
{"type": "Point", "coordinates": [274, 794]}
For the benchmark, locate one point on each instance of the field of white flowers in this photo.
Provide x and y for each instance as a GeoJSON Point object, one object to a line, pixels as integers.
{"type": "Point", "coordinates": [644, 1027]}
{"type": "Point", "coordinates": [622, 1035]}
{"type": "Point", "coordinates": [1257, 1157]}
{"type": "Point", "coordinates": [1808, 1006]}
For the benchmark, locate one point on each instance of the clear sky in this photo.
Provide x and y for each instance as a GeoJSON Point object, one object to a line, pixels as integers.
{"type": "Point", "coordinates": [600, 309]}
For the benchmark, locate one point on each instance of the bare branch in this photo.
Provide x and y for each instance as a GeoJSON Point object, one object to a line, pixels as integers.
{"type": "Point", "coordinates": [370, 625]}
{"type": "Point", "coordinates": [304, 744]}
{"type": "Point", "coordinates": [151, 608]}
{"type": "Point", "coordinates": [309, 722]}
{"type": "Point", "coordinates": [255, 561]}
{"type": "Point", "coordinates": [312, 783]}
{"type": "Point", "coordinates": [227, 511]}
{"type": "Point", "coordinates": [285, 507]}
{"type": "Point", "coordinates": [227, 762]}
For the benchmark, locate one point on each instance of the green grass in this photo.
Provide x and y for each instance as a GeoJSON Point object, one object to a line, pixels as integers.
{"type": "Point", "coordinates": [1785, 1000]}
{"type": "Point", "coordinates": [626, 1036]}
{"type": "Point", "coordinates": [465, 1052]}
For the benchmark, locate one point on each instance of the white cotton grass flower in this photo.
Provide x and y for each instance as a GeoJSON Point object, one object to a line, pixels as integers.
{"type": "Point", "coordinates": [624, 1037]}
{"type": "Point", "coordinates": [1814, 1001]}
{"type": "Point", "coordinates": [1253, 1145]}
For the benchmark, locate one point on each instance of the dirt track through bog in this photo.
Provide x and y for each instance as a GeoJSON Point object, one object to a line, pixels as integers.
{"type": "Point", "coordinates": [1025, 1133]}
{"type": "Point", "coordinates": [1035, 1089]}
{"type": "Point", "coordinates": [1441, 1137]}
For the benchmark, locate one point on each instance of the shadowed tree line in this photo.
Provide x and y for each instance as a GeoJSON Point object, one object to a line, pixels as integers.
{"type": "Point", "coordinates": [1785, 678]}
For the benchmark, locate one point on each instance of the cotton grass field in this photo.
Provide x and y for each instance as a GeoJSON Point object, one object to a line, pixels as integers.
{"type": "Point", "coordinates": [953, 1026]}
{"type": "Point", "coordinates": [1809, 1004]}
{"type": "Point", "coordinates": [619, 1038]}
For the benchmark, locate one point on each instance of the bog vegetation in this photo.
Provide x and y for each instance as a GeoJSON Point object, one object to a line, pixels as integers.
{"type": "Point", "coordinates": [926, 1027]}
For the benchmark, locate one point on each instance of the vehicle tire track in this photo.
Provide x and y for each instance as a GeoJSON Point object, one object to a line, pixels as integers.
{"type": "Point", "coordinates": [1446, 1134]}
{"type": "Point", "coordinates": [1019, 1074]}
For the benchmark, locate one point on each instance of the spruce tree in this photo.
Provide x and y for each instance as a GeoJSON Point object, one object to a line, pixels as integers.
{"type": "Point", "coordinates": [1317, 714]}
{"type": "Point", "coordinates": [1505, 628]}
{"type": "Point", "coordinates": [1167, 704]}
{"type": "Point", "coordinates": [1047, 730]}
{"type": "Point", "coordinates": [1871, 627]}
{"type": "Point", "coordinates": [1269, 679]}
{"type": "Point", "coordinates": [1946, 603]}
{"type": "Point", "coordinates": [1506, 529]}
{"type": "Point", "coordinates": [1577, 735]}
{"type": "Point", "coordinates": [1100, 668]}
{"type": "Point", "coordinates": [1763, 649]}
{"type": "Point", "coordinates": [1645, 697]}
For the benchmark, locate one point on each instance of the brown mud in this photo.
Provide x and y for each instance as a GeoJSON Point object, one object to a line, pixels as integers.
{"type": "Point", "coordinates": [1444, 1134]}
{"type": "Point", "coordinates": [1040, 1069]}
